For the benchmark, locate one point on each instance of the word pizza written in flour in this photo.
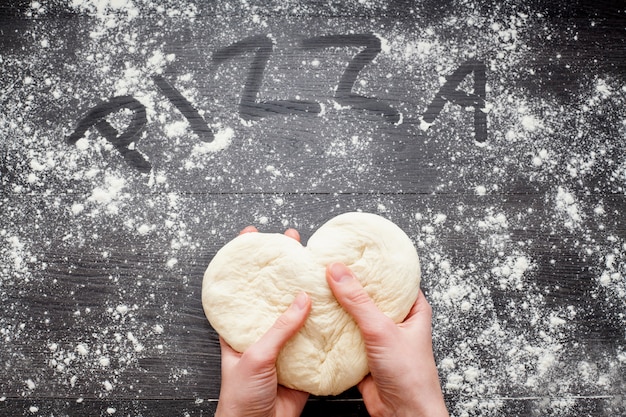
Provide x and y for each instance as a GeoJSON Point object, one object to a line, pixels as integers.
{"type": "Point", "coordinates": [251, 107]}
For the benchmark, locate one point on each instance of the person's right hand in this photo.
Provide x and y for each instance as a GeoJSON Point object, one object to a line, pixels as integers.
{"type": "Point", "coordinates": [403, 379]}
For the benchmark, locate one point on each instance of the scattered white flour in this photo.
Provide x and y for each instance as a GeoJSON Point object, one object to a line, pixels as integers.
{"type": "Point", "coordinates": [506, 227]}
{"type": "Point", "coordinates": [178, 128]}
{"type": "Point", "coordinates": [566, 204]}
{"type": "Point", "coordinates": [30, 384]}
{"type": "Point", "coordinates": [221, 141]}
{"type": "Point", "coordinates": [109, 192]}
{"type": "Point", "coordinates": [530, 123]}
{"type": "Point", "coordinates": [82, 349]}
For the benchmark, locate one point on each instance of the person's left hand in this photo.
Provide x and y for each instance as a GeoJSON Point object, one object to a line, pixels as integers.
{"type": "Point", "coordinates": [249, 381]}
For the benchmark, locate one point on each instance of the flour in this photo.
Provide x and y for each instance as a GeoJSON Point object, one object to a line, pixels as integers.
{"type": "Point", "coordinates": [540, 213]}
{"type": "Point", "coordinates": [530, 123]}
{"type": "Point", "coordinates": [30, 384]}
{"type": "Point", "coordinates": [109, 192]}
{"type": "Point", "coordinates": [82, 349]}
{"type": "Point", "coordinates": [566, 204]}
{"type": "Point", "coordinates": [222, 140]}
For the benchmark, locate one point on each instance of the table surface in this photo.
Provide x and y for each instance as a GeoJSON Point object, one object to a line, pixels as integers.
{"type": "Point", "coordinates": [139, 137]}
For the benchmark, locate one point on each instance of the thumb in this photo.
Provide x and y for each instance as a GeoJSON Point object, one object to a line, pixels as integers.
{"type": "Point", "coordinates": [374, 325]}
{"type": "Point", "coordinates": [267, 348]}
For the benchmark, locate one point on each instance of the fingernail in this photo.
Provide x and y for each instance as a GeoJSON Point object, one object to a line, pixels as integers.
{"type": "Point", "coordinates": [339, 272]}
{"type": "Point", "coordinates": [301, 300]}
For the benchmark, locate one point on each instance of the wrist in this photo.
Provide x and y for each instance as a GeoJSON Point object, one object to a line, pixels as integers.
{"type": "Point", "coordinates": [427, 399]}
{"type": "Point", "coordinates": [227, 409]}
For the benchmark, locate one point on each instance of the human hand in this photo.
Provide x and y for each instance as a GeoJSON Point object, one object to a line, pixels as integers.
{"type": "Point", "coordinates": [249, 381]}
{"type": "Point", "coordinates": [403, 379]}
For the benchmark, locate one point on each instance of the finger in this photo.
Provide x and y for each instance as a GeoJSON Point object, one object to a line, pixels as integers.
{"type": "Point", "coordinates": [421, 306]}
{"type": "Point", "coordinates": [229, 355]}
{"type": "Point", "coordinates": [369, 392]}
{"type": "Point", "coordinates": [374, 325]}
{"type": "Point", "coordinates": [421, 311]}
{"type": "Point", "coordinates": [419, 320]}
{"type": "Point", "coordinates": [249, 229]}
{"type": "Point", "coordinates": [294, 401]}
{"type": "Point", "coordinates": [266, 349]}
{"type": "Point", "coordinates": [293, 233]}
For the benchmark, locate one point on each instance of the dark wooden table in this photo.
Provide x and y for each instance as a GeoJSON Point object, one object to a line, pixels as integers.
{"type": "Point", "coordinates": [138, 138]}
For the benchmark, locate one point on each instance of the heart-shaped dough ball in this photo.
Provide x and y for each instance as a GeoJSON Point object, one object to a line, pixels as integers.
{"type": "Point", "coordinates": [254, 278]}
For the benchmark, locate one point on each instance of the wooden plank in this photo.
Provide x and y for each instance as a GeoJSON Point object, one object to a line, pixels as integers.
{"type": "Point", "coordinates": [83, 298]}
{"type": "Point", "coordinates": [194, 407]}
{"type": "Point", "coordinates": [135, 146]}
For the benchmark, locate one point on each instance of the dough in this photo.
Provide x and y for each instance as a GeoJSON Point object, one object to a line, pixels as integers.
{"type": "Point", "coordinates": [255, 277]}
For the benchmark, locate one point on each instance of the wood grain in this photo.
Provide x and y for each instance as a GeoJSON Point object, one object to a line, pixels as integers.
{"type": "Point", "coordinates": [120, 181]}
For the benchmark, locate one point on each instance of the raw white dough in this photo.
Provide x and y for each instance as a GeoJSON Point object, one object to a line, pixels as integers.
{"type": "Point", "coordinates": [255, 277]}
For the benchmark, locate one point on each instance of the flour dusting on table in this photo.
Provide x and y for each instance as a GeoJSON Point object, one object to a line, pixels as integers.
{"type": "Point", "coordinates": [521, 233]}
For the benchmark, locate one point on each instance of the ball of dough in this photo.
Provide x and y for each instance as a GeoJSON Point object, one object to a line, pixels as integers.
{"type": "Point", "coordinates": [255, 277]}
